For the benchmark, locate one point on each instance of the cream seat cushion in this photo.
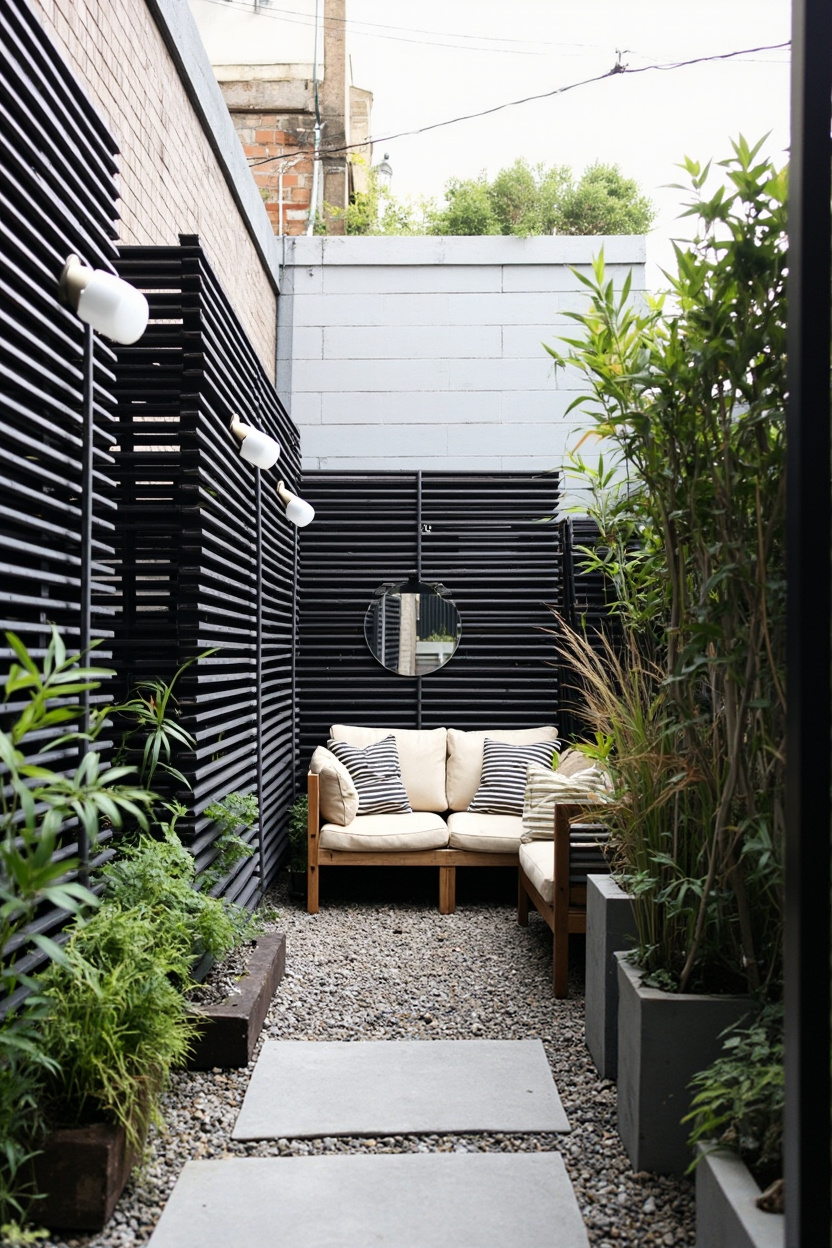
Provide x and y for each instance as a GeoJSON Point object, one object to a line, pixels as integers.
{"type": "Point", "coordinates": [537, 858]}
{"type": "Point", "coordinates": [486, 834]}
{"type": "Point", "coordinates": [464, 767]}
{"type": "Point", "coordinates": [421, 758]}
{"type": "Point", "coordinates": [387, 833]}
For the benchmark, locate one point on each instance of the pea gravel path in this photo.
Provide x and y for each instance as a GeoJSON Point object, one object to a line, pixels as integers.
{"type": "Point", "coordinates": [367, 968]}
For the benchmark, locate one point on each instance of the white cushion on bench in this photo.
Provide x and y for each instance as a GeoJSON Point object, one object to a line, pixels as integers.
{"type": "Point", "coordinates": [486, 834]}
{"type": "Point", "coordinates": [421, 758]}
{"type": "Point", "coordinates": [537, 858]}
{"type": "Point", "coordinates": [388, 833]}
{"type": "Point", "coordinates": [465, 758]}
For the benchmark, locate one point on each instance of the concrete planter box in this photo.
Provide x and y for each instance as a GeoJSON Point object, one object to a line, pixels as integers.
{"type": "Point", "coordinates": [232, 1027]}
{"type": "Point", "coordinates": [81, 1172]}
{"type": "Point", "coordinates": [726, 1213]}
{"type": "Point", "coordinates": [610, 928]}
{"type": "Point", "coordinates": [663, 1040]}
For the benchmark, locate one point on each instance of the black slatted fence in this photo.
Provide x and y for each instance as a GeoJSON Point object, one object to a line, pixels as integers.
{"type": "Point", "coordinates": [58, 196]}
{"type": "Point", "coordinates": [586, 602]}
{"type": "Point", "coordinates": [207, 559]}
{"type": "Point", "coordinates": [489, 539]}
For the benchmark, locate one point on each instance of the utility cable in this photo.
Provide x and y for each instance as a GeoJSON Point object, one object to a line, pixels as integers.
{"type": "Point", "coordinates": [618, 68]}
{"type": "Point", "coordinates": [297, 19]}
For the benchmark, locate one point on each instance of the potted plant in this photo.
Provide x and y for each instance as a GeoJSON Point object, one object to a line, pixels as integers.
{"type": "Point", "coordinates": [85, 1050]}
{"type": "Point", "coordinates": [297, 824]}
{"type": "Point", "coordinates": [737, 1116]}
{"type": "Point", "coordinates": [692, 400]}
{"type": "Point", "coordinates": [36, 803]}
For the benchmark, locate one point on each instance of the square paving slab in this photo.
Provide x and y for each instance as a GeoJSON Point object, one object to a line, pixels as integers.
{"type": "Point", "coordinates": [305, 1088]}
{"type": "Point", "coordinates": [414, 1200]}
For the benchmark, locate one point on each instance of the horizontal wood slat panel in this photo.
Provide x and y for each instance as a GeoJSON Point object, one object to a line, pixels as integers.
{"type": "Point", "coordinates": [489, 538]}
{"type": "Point", "coordinates": [58, 195]}
{"type": "Point", "coordinates": [193, 576]}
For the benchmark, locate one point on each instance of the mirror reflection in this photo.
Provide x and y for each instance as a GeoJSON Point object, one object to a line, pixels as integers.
{"type": "Point", "coordinates": [412, 628]}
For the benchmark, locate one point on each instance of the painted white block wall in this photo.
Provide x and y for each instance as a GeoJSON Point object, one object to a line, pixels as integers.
{"type": "Point", "coordinates": [407, 353]}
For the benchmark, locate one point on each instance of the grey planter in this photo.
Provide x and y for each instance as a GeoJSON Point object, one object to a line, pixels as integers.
{"type": "Point", "coordinates": [663, 1040]}
{"type": "Point", "coordinates": [726, 1215]}
{"type": "Point", "coordinates": [610, 928]}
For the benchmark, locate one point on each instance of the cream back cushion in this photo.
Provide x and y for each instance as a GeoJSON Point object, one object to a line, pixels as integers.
{"type": "Point", "coordinates": [337, 794]}
{"type": "Point", "coordinates": [572, 761]}
{"type": "Point", "coordinates": [421, 757]}
{"type": "Point", "coordinates": [464, 767]}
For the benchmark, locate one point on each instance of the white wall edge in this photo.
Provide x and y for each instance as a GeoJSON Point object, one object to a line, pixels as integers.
{"type": "Point", "coordinates": [490, 249]}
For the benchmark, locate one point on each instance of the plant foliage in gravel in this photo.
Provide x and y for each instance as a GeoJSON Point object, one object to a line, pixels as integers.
{"type": "Point", "coordinates": [368, 969]}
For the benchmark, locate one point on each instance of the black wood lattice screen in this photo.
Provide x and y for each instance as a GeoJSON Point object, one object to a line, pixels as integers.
{"type": "Point", "coordinates": [489, 538]}
{"type": "Point", "coordinates": [207, 558]}
{"type": "Point", "coordinates": [57, 196]}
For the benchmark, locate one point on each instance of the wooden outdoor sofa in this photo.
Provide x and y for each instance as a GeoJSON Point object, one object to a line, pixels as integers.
{"type": "Point", "coordinates": [552, 875]}
{"type": "Point", "coordinates": [441, 770]}
{"type": "Point", "coordinates": [442, 774]}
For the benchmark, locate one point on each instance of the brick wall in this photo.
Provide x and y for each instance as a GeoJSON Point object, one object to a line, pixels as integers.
{"type": "Point", "coordinates": [171, 181]}
{"type": "Point", "coordinates": [272, 134]}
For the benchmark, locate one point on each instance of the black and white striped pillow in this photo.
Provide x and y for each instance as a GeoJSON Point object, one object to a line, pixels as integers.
{"type": "Point", "coordinates": [376, 774]}
{"type": "Point", "coordinates": [503, 779]}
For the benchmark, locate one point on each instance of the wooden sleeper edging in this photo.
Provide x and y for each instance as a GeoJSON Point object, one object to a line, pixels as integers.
{"type": "Point", "coordinates": [232, 1027]}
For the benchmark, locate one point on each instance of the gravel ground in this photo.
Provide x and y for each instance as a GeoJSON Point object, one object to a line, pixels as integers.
{"type": "Point", "coordinates": [368, 968]}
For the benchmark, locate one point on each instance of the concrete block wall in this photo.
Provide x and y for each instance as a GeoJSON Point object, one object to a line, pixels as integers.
{"type": "Point", "coordinates": [407, 353]}
{"type": "Point", "coordinates": [182, 169]}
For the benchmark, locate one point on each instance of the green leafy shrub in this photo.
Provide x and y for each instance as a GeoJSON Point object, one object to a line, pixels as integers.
{"type": "Point", "coordinates": [236, 810]}
{"type": "Point", "coordinates": [150, 728]}
{"type": "Point", "coordinates": [158, 876]}
{"type": "Point", "coordinates": [298, 823]}
{"type": "Point", "coordinates": [739, 1100]}
{"type": "Point", "coordinates": [117, 1019]}
{"type": "Point", "coordinates": [35, 804]}
{"type": "Point", "coordinates": [691, 397]}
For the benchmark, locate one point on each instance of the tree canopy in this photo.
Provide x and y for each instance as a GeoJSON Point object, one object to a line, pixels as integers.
{"type": "Point", "coordinates": [522, 200]}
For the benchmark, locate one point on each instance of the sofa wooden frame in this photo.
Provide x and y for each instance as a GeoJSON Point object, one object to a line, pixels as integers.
{"type": "Point", "coordinates": [566, 916]}
{"type": "Point", "coordinates": [447, 860]}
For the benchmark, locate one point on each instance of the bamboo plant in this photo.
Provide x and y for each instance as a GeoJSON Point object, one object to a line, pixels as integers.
{"type": "Point", "coordinates": [689, 392]}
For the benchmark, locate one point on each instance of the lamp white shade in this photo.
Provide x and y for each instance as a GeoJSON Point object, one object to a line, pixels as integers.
{"type": "Point", "coordinates": [104, 301]}
{"type": "Point", "coordinates": [259, 449]}
{"type": "Point", "coordinates": [298, 511]}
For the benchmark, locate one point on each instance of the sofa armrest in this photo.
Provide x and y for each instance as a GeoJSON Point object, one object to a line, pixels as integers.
{"type": "Point", "coordinates": [312, 841]}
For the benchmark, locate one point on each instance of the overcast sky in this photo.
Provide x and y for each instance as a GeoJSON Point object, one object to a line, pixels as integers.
{"type": "Point", "coordinates": [439, 59]}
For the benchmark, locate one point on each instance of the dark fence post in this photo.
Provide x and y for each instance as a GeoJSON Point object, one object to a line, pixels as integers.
{"type": "Point", "coordinates": [807, 939]}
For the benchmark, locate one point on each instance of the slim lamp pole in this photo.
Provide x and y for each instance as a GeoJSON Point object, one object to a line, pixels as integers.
{"type": "Point", "coordinates": [807, 935]}
{"type": "Point", "coordinates": [258, 667]}
{"type": "Point", "coordinates": [85, 624]}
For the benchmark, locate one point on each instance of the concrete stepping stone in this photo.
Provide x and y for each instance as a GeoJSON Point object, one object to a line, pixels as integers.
{"type": "Point", "coordinates": [303, 1088]}
{"type": "Point", "coordinates": [413, 1200]}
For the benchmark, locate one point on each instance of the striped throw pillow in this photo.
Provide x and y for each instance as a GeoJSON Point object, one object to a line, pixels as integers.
{"type": "Point", "coordinates": [546, 788]}
{"type": "Point", "coordinates": [503, 777]}
{"type": "Point", "coordinates": [376, 775]}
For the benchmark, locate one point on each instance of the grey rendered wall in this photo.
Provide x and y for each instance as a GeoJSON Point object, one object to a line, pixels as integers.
{"type": "Point", "coordinates": [407, 353]}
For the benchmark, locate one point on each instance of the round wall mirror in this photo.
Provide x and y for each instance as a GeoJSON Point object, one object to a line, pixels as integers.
{"type": "Point", "coordinates": [412, 628]}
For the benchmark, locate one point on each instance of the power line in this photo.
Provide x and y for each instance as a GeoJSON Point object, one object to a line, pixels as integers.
{"type": "Point", "coordinates": [297, 19]}
{"type": "Point", "coordinates": [617, 69]}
